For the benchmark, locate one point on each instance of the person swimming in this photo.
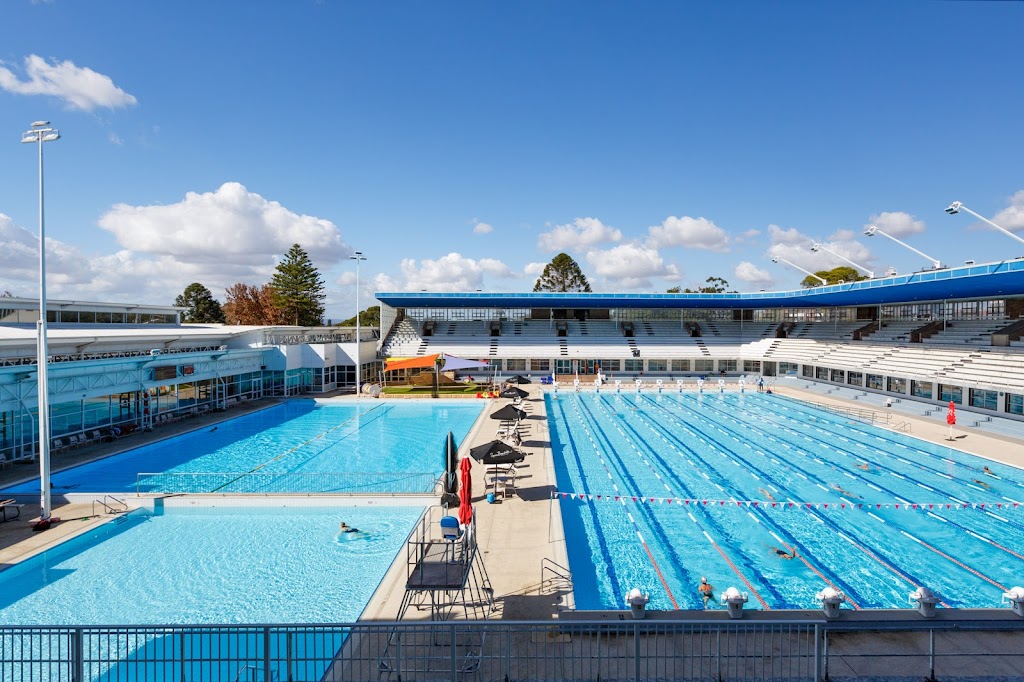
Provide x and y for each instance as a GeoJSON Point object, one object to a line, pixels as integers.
{"type": "Point", "coordinates": [767, 494]}
{"type": "Point", "coordinates": [984, 485]}
{"type": "Point", "coordinates": [782, 554]}
{"type": "Point", "coordinates": [842, 491]}
{"type": "Point", "coordinates": [864, 467]}
{"type": "Point", "coordinates": [988, 471]}
{"type": "Point", "coordinates": [707, 591]}
{"type": "Point", "coordinates": [345, 528]}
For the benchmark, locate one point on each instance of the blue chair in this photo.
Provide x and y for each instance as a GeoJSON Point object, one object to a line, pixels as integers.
{"type": "Point", "coordinates": [450, 528]}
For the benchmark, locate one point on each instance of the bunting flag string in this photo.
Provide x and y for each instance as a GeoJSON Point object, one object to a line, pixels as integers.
{"type": "Point", "coordinates": [702, 503]}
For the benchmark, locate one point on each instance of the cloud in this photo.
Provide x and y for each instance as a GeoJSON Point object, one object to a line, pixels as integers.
{"type": "Point", "coordinates": [630, 266]}
{"type": "Point", "coordinates": [481, 228]}
{"type": "Point", "coordinates": [580, 235]}
{"type": "Point", "coordinates": [114, 138]}
{"type": "Point", "coordinates": [691, 233]}
{"type": "Point", "coordinates": [1012, 217]}
{"type": "Point", "coordinates": [453, 272]}
{"type": "Point", "coordinates": [751, 274]}
{"type": "Point", "coordinates": [896, 223]}
{"type": "Point", "coordinates": [534, 269]}
{"type": "Point", "coordinates": [80, 87]}
{"type": "Point", "coordinates": [231, 224]}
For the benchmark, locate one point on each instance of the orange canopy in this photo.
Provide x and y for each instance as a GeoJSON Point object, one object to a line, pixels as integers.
{"type": "Point", "coordinates": [411, 363]}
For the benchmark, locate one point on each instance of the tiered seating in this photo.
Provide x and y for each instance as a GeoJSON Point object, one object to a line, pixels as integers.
{"type": "Point", "coordinates": [825, 330]}
{"type": "Point", "coordinates": [404, 340]}
{"type": "Point", "coordinates": [973, 332]}
{"type": "Point", "coordinates": [893, 332]}
{"type": "Point", "coordinates": [738, 331]}
{"type": "Point", "coordinates": [988, 367]}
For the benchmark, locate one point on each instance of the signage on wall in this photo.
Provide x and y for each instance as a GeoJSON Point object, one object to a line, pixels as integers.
{"type": "Point", "coordinates": [187, 370]}
{"type": "Point", "coordinates": [167, 372]}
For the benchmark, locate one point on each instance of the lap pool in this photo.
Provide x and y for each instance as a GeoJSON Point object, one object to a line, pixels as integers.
{"type": "Point", "coordinates": [776, 498]}
{"type": "Point", "coordinates": [298, 446]}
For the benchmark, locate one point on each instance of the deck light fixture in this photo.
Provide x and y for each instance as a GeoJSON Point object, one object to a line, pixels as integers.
{"type": "Point", "coordinates": [872, 230]}
{"type": "Point", "coordinates": [818, 247]}
{"type": "Point", "coordinates": [776, 259]}
{"type": "Point", "coordinates": [357, 256]}
{"type": "Point", "coordinates": [957, 206]}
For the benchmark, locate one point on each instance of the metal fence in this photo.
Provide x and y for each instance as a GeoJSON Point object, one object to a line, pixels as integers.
{"type": "Point", "coordinates": [288, 482]}
{"type": "Point", "coordinates": [808, 649]}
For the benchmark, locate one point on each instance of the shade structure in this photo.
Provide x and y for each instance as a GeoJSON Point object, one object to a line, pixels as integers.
{"type": "Point", "coordinates": [449, 362]}
{"type": "Point", "coordinates": [509, 413]}
{"type": "Point", "coordinates": [513, 392]}
{"type": "Point", "coordinates": [519, 379]}
{"type": "Point", "coordinates": [496, 452]}
{"type": "Point", "coordinates": [466, 492]}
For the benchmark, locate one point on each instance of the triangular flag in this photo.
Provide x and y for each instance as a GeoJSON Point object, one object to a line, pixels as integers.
{"type": "Point", "coordinates": [565, 495]}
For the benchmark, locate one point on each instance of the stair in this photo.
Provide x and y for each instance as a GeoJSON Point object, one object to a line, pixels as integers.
{"type": "Point", "coordinates": [563, 348]}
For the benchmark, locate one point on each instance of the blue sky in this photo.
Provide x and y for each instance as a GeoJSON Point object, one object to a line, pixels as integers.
{"type": "Point", "coordinates": [461, 145]}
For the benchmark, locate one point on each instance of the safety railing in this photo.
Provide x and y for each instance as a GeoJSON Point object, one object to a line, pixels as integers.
{"type": "Point", "coordinates": [376, 483]}
{"type": "Point", "coordinates": [807, 648]}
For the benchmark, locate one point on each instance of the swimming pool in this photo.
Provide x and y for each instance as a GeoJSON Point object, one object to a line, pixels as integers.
{"type": "Point", "coordinates": [658, 490]}
{"type": "Point", "coordinates": [205, 565]}
{"type": "Point", "coordinates": [296, 446]}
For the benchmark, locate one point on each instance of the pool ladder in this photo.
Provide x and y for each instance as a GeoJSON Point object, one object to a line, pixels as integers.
{"type": "Point", "coordinates": [110, 504]}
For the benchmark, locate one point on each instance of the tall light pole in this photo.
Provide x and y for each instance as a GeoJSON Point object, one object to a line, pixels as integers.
{"type": "Point", "coordinates": [42, 132]}
{"type": "Point", "coordinates": [957, 206]}
{"type": "Point", "coordinates": [818, 247]}
{"type": "Point", "coordinates": [776, 259]}
{"type": "Point", "coordinates": [872, 230]}
{"type": "Point", "coordinates": [357, 256]}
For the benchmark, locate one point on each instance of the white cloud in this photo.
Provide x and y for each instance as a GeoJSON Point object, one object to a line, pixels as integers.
{"type": "Point", "coordinates": [751, 274]}
{"type": "Point", "coordinates": [1012, 217]}
{"type": "Point", "coordinates": [749, 234]}
{"type": "Point", "coordinates": [481, 228]}
{"type": "Point", "coordinates": [581, 235]}
{"type": "Point", "coordinates": [896, 223]}
{"type": "Point", "coordinates": [80, 87]}
{"type": "Point", "coordinates": [453, 272]}
{"type": "Point", "coordinates": [630, 266]}
{"type": "Point", "coordinates": [114, 138]}
{"type": "Point", "coordinates": [691, 233]}
{"type": "Point", "coordinates": [231, 224]}
{"type": "Point", "coordinates": [534, 269]}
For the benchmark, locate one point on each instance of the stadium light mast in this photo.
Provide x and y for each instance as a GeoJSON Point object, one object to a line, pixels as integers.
{"type": "Point", "coordinates": [357, 256]}
{"type": "Point", "coordinates": [776, 259]}
{"type": "Point", "coordinates": [42, 132]}
{"type": "Point", "coordinates": [957, 206]}
{"type": "Point", "coordinates": [872, 230]}
{"type": "Point", "coordinates": [818, 247]}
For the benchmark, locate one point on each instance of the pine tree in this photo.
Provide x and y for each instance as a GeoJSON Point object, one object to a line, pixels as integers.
{"type": "Point", "coordinates": [562, 274]}
{"type": "Point", "coordinates": [299, 289]}
{"type": "Point", "coordinates": [202, 306]}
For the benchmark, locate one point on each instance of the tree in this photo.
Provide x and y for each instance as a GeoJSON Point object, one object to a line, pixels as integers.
{"type": "Point", "coordinates": [367, 318]}
{"type": "Point", "coordinates": [202, 306]}
{"type": "Point", "coordinates": [562, 274]}
{"type": "Point", "coordinates": [715, 285]}
{"type": "Point", "coordinates": [250, 304]}
{"type": "Point", "coordinates": [833, 276]}
{"type": "Point", "coordinates": [299, 289]}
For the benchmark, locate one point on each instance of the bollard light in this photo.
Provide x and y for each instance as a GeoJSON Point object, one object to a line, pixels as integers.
{"type": "Point", "coordinates": [734, 600]}
{"type": "Point", "coordinates": [637, 603]}
{"type": "Point", "coordinates": [830, 599]}
{"type": "Point", "coordinates": [925, 600]}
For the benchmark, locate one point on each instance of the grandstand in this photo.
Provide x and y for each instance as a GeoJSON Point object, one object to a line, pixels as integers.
{"type": "Point", "coordinates": [934, 337]}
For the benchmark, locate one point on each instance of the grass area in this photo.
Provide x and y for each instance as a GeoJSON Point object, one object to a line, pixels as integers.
{"type": "Point", "coordinates": [461, 389]}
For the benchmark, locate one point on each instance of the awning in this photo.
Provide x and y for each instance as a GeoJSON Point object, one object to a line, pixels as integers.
{"type": "Point", "coordinates": [450, 362]}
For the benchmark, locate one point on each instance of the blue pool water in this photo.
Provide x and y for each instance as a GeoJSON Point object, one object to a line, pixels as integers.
{"type": "Point", "coordinates": [734, 450]}
{"type": "Point", "coordinates": [297, 446]}
{"type": "Point", "coordinates": [202, 565]}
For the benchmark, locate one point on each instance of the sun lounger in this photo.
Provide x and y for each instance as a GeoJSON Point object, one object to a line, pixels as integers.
{"type": "Point", "coordinates": [7, 506]}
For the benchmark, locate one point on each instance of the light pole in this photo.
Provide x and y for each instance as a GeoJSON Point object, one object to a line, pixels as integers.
{"type": "Point", "coordinates": [42, 132]}
{"type": "Point", "coordinates": [357, 256]}
{"type": "Point", "coordinates": [872, 230]}
{"type": "Point", "coordinates": [818, 247]}
{"type": "Point", "coordinates": [957, 206]}
{"type": "Point", "coordinates": [776, 259]}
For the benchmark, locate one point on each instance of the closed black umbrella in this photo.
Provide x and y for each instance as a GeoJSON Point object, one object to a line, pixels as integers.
{"type": "Point", "coordinates": [508, 413]}
{"type": "Point", "coordinates": [513, 392]}
{"type": "Point", "coordinates": [496, 452]}
{"type": "Point", "coordinates": [519, 379]}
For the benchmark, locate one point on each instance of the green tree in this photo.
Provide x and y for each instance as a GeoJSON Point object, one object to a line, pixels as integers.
{"type": "Point", "coordinates": [843, 273]}
{"type": "Point", "coordinates": [674, 290]}
{"type": "Point", "coordinates": [299, 289]}
{"type": "Point", "coordinates": [202, 306]}
{"type": "Point", "coordinates": [562, 274]}
{"type": "Point", "coordinates": [713, 285]}
{"type": "Point", "coordinates": [367, 318]}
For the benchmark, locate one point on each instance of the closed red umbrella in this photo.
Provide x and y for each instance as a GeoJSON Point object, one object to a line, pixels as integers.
{"type": "Point", "coordinates": [951, 418]}
{"type": "Point", "coordinates": [466, 492]}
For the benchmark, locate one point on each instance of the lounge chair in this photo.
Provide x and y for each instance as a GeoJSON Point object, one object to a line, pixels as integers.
{"type": "Point", "coordinates": [11, 505]}
{"type": "Point", "coordinates": [503, 481]}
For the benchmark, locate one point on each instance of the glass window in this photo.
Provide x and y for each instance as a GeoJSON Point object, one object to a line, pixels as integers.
{"type": "Point", "coordinates": [821, 372]}
{"type": "Point", "coordinates": [875, 381]}
{"type": "Point", "coordinates": [515, 365]}
{"type": "Point", "coordinates": [540, 365]}
{"type": "Point", "coordinates": [951, 394]}
{"type": "Point", "coordinates": [751, 365]}
{"type": "Point", "coordinates": [985, 399]}
{"type": "Point", "coordinates": [657, 365]}
{"type": "Point", "coordinates": [808, 371]}
{"type": "Point", "coordinates": [633, 366]}
{"type": "Point", "coordinates": [726, 365]}
{"type": "Point", "coordinates": [837, 375]}
{"type": "Point", "coordinates": [921, 389]}
{"type": "Point", "coordinates": [855, 378]}
{"type": "Point", "coordinates": [610, 365]}
{"type": "Point", "coordinates": [787, 367]}
{"type": "Point", "coordinates": [563, 366]}
{"type": "Point", "coordinates": [680, 365]}
{"type": "Point", "coordinates": [703, 365]}
{"type": "Point", "coordinates": [1015, 403]}
{"type": "Point", "coordinates": [897, 385]}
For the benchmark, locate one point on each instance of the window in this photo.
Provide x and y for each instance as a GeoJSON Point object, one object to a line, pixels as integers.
{"type": "Point", "coordinates": [897, 385]}
{"type": "Point", "coordinates": [855, 378]}
{"type": "Point", "coordinates": [787, 367]}
{"type": "Point", "coordinates": [953, 394]}
{"type": "Point", "coordinates": [610, 365]}
{"type": "Point", "coordinates": [921, 389]}
{"type": "Point", "coordinates": [657, 365]}
{"type": "Point", "coordinates": [985, 399]}
{"type": "Point", "coordinates": [563, 366]}
{"type": "Point", "coordinates": [751, 365]}
{"type": "Point", "coordinates": [540, 365]}
{"type": "Point", "coordinates": [821, 373]}
{"type": "Point", "coordinates": [875, 381]}
{"type": "Point", "coordinates": [837, 375]}
{"type": "Point", "coordinates": [726, 365]}
{"type": "Point", "coordinates": [514, 365]}
{"type": "Point", "coordinates": [808, 371]}
{"type": "Point", "coordinates": [703, 365]}
{"type": "Point", "coordinates": [1015, 403]}
{"type": "Point", "coordinates": [680, 365]}
{"type": "Point", "coordinates": [633, 366]}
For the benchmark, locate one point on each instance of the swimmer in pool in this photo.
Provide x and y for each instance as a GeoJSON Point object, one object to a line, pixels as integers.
{"type": "Point", "coordinates": [988, 471]}
{"type": "Point", "coordinates": [984, 485]}
{"type": "Point", "coordinates": [839, 489]}
{"type": "Point", "coordinates": [864, 467]}
{"type": "Point", "coordinates": [782, 554]}
{"type": "Point", "coordinates": [707, 591]}
{"type": "Point", "coordinates": [345, 528]}
{"type": "Point", "coordinates": [767, 494]}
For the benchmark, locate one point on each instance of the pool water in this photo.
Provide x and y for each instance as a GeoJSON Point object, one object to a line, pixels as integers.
{"type": "Point", "coordinates": [297, 446]}
{"type": "Point", "coordinates": [753, 478]}
{"type": "Point", "coordinates": [242, 565]}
